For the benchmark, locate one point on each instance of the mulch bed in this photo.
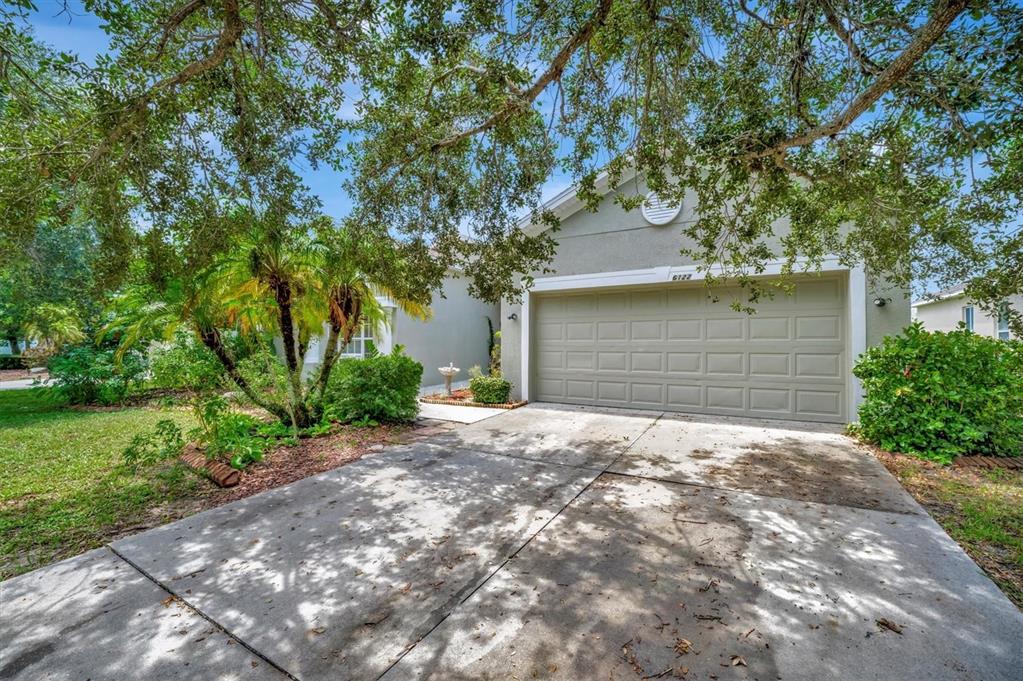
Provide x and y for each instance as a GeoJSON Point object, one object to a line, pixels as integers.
{"type": "Point", "coordinates": [19, 374]}
{"type": "Point", "coordinates": [1014, 463]}
{"type": "Point", "coordinates": [463, 398]}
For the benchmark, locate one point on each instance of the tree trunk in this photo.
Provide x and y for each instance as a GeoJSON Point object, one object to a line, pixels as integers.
{"type": "Point", "coordinates": [329, 357]}
{"type": "Point", "coordinates": [15, 348]}
{"type": "Point", "coordinates": [282, 294]}
{"type": "Point", "coordinates": [212, 340]}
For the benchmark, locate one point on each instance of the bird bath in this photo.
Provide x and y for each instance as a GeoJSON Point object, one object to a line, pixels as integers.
{"type": "Point", "coordinates": [448, 372]}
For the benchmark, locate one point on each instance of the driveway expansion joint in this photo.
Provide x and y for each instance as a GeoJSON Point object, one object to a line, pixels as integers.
{"type": "Point", "coordinates": [227, 632]}
{"type": "Point", "coordinates": [529, 540]}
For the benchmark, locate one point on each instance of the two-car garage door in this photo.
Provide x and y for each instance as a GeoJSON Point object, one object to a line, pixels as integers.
{"type": "Point", "coordinates": [673, 348]}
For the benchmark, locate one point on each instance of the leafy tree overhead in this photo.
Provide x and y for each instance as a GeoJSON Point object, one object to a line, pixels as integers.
{"type": "Point", "coordinates": [889, 132]}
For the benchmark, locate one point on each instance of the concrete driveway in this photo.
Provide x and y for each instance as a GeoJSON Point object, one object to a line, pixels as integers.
{"type": "Point", "coordinates": [547, 542]}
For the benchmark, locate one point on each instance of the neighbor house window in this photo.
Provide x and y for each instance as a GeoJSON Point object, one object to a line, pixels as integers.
{"type": "Point", "coordinates": [359, 344]}
{"type": "Point", "coordinates": [1003, 321]}
{"type": "Point", "coordinates": [968, 317]}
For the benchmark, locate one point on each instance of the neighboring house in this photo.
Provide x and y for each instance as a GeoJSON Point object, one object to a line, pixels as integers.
{"type": "Point", "coordinates": [456, 333]}
{"type": "Point", "coordinates": [942, 311]}
{"type": "Point", "coordinates": [624, 322]}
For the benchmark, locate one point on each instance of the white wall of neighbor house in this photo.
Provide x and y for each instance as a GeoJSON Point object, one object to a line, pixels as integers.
{"type": "Point", "coordinates": [945, 315]}
{"type": "Point", "coordinates": [612, 240]}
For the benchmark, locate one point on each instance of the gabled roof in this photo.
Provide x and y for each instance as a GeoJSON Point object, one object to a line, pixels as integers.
{"type": "Point", "coordinates": [565, 203]}
{"type": "Point", "coordinates": [938, 296]}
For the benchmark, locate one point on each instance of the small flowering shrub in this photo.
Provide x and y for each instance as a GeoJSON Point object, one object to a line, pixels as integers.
{"type": "Point", "coordinates": [940, 395]}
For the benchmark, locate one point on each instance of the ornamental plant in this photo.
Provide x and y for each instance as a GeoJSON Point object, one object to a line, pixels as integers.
{"type": "Point", "coordinates": [492, 389]}
{"type": "Point", "coordinates": [941, 395]}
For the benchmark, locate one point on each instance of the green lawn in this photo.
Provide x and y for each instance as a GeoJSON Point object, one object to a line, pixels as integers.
{"type": "Point", "coordinates": [980, 509]}
{"type": "Point", "coordinates": [62, 490]}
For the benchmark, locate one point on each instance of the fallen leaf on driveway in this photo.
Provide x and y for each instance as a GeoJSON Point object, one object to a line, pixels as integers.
{"type": "Point", "coordinates": [888, 624]}
{"type": "Point", "coordinates": [738, 661]}
{"type": "Point", "coordinates": [683, 646]}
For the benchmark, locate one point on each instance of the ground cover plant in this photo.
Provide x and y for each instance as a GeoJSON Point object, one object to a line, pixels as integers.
{"type": "Point", "coordinates": [66, 488]}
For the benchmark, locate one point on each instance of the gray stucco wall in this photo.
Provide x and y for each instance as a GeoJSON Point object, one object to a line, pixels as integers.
{"type": "Point", "coordinates": [945, 315]}
{"type": "Point", "coordinates": [457, 332]}
{"type": "Point", "coordinates": [613, 239]}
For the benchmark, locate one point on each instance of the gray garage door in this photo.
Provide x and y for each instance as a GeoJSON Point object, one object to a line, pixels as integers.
{"type": "Point", "coordinates": [672, 348]}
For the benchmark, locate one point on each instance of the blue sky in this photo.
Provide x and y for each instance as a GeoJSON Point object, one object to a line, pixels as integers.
{"type": "Point", "coordinates": [78, 31]}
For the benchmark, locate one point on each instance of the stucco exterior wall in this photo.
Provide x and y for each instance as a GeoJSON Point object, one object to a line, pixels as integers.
{"type": "Point", "coordinates": [457, 332]}
{"type": "Point", "coordinates": [945, 315]}
{"type": "Point", "coordinates": [613, 239]}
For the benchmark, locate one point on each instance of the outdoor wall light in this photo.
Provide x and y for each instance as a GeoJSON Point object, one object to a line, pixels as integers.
{"type": "Point", "coordinates": [881, 302]}
{"type": "Point", "coordinates": [513, 316]}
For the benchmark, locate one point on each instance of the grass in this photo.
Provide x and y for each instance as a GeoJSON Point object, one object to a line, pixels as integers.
{"type": "Point", "coordinates": [981, 509]}
{"type": "Point", "coordinates": [63, 490]}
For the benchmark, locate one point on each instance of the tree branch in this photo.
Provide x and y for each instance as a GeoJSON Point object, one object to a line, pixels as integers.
{"type": "Point", "coordinates": [231, 32]}
{"type": "Point", "coordinates": [941, 18]}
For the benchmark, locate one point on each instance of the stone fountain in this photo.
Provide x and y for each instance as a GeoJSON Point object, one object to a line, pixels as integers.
{"type": "Point", "coordinates": [448, 372]}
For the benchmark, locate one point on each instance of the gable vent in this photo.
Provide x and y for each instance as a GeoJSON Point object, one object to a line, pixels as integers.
{"type": "Point", "coordinates": [658, 211]}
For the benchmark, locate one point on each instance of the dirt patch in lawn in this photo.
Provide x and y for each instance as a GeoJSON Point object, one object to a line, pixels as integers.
{"type": "Point", "coordinates": [981, 509]}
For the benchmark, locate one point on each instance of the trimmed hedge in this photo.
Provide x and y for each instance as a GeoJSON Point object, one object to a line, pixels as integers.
{"type": "Point", "coordinates": [380, 388]}
{"type": "Point", "coordinates": [940, 395]}
{"type": "Point", "coordinates": [11, 362]}
{"type": "Point", "coordinates": [493, 389]}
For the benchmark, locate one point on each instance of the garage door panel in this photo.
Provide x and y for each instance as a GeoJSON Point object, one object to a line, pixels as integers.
{"type": "Point", "coordinates": [726, 397]}
{"type": "Point", "coordinates": [774, 400]}
{"type": "Point", "coordinates": [580, 360]}
{"type": "Point", "coordinates": [650, 394]}
{"type": "Point", "coordinates": [647, 361]}
{"type": "Point", "coordinates": [670, 348]}
{"type": "Point", "coordinates": [685, 329]}
{"type": "Point", "coordinates": [728, 363]}
{"type": "Point", "coordinates": [646, 330]}
{"type": "Point", "coordinates": [612, 361]}
{"type": "Point", "coordinates": [818, 327]}
{"type": "Point", "coordinates": [612, 331]}
{"type": "Point", "coordinates": [615, 391]}
{"type": "Point", "coordinates": [685, 362]}
{"type": "Point", "coordinates": [579, 331]}
{"type": "Point", "coordinates": [770, 328]}
{"type": "Point", "coordinates": [769, 364]}
{"type": "Point", "coordinates": [726, 329]}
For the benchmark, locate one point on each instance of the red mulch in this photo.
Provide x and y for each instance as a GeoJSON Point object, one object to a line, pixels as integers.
{"type": "Point", "coordinates": [18, 374]}
{"type": "Point", "coordinates": [463, 398]}
{"type": "Point", "coordinates": [311, 456]}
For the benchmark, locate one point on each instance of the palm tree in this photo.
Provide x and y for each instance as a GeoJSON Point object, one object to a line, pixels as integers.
{"type": "Point", "coordinates": [352, 293]}
{"type": "Point", "coordinates": [280, 282]}
{"type": "Point", "coordinates": [53, 326]}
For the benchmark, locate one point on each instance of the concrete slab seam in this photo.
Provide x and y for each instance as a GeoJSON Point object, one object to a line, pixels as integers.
{"type": "Point", "coordinates": [203, 615]}
{"type": "Point", "coordinates": [523, 546]}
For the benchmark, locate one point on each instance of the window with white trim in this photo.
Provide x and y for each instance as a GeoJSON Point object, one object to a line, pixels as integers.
{"type": "Point", "coordinates": [1003, 322]}
{"type": "Point", "coordinates": [359, 343]}
{"type": "Point", "coordinates": [968, 317]}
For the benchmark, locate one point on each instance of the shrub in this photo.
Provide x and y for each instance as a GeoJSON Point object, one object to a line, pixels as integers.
{"type": "Point", "coordinates": [185, 364]}
{"type": "Point", "coordinates": [145, 449]}
{"type": "Point", "coordinates": [230, 434]}
{"type": "Point", "coordinates": [11, 362]}
{"type": "Point", "coordinates": [85, 374]}
{"type": "Point", "coordinates": [941, 395]}
{"type": "Point", "coordinates": [377, 388]}
{"type": "Point", "coordinates": [492, 389]}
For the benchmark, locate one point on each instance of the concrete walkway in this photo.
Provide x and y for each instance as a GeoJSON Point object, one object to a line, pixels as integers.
{"type": "Point", "coordinates": [545, 542]}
